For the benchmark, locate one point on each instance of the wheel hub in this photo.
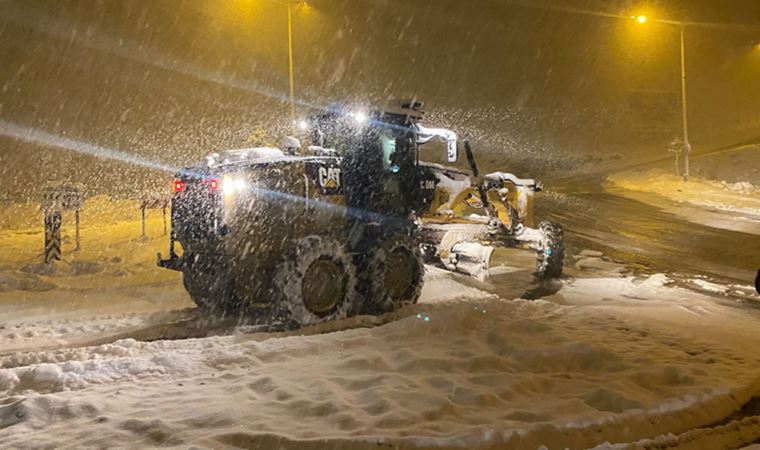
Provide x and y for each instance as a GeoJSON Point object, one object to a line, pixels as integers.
{"type": "Point", "coordinates": [324, 285]}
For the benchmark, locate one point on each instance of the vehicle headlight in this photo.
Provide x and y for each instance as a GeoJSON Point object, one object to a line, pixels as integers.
{"type": "Point", "coordinates": [360, 117]}
{"type": "Point", "coordinates": [231, 184]}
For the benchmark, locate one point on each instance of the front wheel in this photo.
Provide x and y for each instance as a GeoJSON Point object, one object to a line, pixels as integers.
{"type": "Point", "coordinates": [551, 251]}
{"type": "Point", "coordinates": [393, 275]}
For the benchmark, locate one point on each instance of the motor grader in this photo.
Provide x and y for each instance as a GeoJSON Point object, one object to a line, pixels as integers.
{"type": "Point", "coordinates": [301, 236]}
{"type": "Point", "coordinates": [305, 235]}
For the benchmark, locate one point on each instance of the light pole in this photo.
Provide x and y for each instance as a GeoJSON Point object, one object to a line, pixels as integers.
{"type": "Point", "coordinates": [684, 114]}
{"type": "Point", "coordinates": [290, 64]}
{"type": "Point", "coordinates": [304, 6]}
{"type": "Point", "coordinates": [684, 105]}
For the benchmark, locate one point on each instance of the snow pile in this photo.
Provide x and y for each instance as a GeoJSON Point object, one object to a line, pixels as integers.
{"type": "Point", "coordinates": [741, 187]}
{"type": "Point", "coordinates": [717, 204]}
{"type": "Point", "coordinates": [740, 197]}
{"type": "Point", "coordinates": [35, 334]}
{"type": "Point", "coordinates": [734, 292]}
{"type": "Point", "coordinates": [123, 360]}
{"type": "Point", "coordinates": [615, 359]}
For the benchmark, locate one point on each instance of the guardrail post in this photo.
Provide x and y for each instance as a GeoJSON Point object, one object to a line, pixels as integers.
{"type": "Point", "coordinates": [55, 199]}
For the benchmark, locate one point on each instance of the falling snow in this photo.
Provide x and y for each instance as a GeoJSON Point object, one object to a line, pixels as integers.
{"type": "Point", "coordinates": [648, 339]}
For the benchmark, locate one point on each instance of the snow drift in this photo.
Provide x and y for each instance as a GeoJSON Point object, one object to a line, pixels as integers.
{"type": "Point", "coordinates": [575, 370]}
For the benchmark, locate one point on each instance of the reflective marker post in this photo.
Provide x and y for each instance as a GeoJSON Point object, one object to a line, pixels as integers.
{"type": "Point", "coordinates": [54, 200]}
{"type": "Point", "coordinates": [52, 235]}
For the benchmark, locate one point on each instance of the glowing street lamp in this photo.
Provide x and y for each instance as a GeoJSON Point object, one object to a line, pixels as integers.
{"type": "Point", "coordinates": [640, 19]}
{"type": "Point", "coordinates": [684, 108]}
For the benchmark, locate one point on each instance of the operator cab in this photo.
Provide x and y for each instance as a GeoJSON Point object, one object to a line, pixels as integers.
{"type": "Point", "coordinates": [380, 148]}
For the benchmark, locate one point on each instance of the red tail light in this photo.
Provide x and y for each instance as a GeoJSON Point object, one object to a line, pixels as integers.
{"type": "Point", "coordinates": [213, 184]}
{"type": "Point", "coordinates": [178, 186]}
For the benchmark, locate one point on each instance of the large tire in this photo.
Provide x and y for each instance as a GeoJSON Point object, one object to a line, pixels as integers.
{"type": "Point", "coordinates": [551, 254]}
{"type": "Point", "coordinates": [316, 282]}
{"type": "Point", "coordinates": [206, 279]}
{"type": "Point", "coordinates": [393, 275]}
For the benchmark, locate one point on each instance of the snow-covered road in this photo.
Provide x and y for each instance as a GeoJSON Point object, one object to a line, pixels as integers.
{"type": "Point", "coordinates": [654, 239]}
{"type": "Point", "coordinates": [609, 358]}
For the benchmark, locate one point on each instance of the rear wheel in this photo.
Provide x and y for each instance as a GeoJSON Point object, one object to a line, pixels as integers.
{"type": "Point", "coordinates": [551, 252]}
{"type": "Point", "coordinates": [393, 275]}
{"type": "Point", "coordinates": [316, 282]}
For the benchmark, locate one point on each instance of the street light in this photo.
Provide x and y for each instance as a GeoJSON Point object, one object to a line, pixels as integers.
{"type": "Point", "coordinates": [684, 114]}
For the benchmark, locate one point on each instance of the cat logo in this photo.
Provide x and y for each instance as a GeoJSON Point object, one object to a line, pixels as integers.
{"type": "Point", "coordinates": [329, 177]}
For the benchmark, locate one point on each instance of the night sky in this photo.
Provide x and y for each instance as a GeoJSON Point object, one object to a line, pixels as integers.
{"type": "Point", "coordinates": [528, 81]}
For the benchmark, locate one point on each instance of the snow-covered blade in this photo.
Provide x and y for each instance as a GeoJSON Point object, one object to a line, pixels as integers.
{"type": "Point", "coordinates": [471, 258]}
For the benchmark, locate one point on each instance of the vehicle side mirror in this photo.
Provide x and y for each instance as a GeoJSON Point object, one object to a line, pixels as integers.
{"type": "Point", "coordinates": [426, 134]}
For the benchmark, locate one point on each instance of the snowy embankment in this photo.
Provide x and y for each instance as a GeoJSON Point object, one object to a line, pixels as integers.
{"type": "Point", "coordinates": [110, 285]}
{"type": "Point", "coordinates": [714, 203]}
{"type": "Point", "coordinates": [610, 358]}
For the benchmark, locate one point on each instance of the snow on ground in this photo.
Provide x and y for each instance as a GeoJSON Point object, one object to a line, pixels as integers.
{"type": "Point", "coordinates": [607, 359]}
{"type": "Point", "coordinates": [110, 285]}
{"type": "Point", "coordinates": [719, 204]}
{"type": "Point", "coordinates": [741, 197]}
{"type": "Point", "coordinates": [734, 291]}
{"type": "Point", "coordinates": [735, 164]}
